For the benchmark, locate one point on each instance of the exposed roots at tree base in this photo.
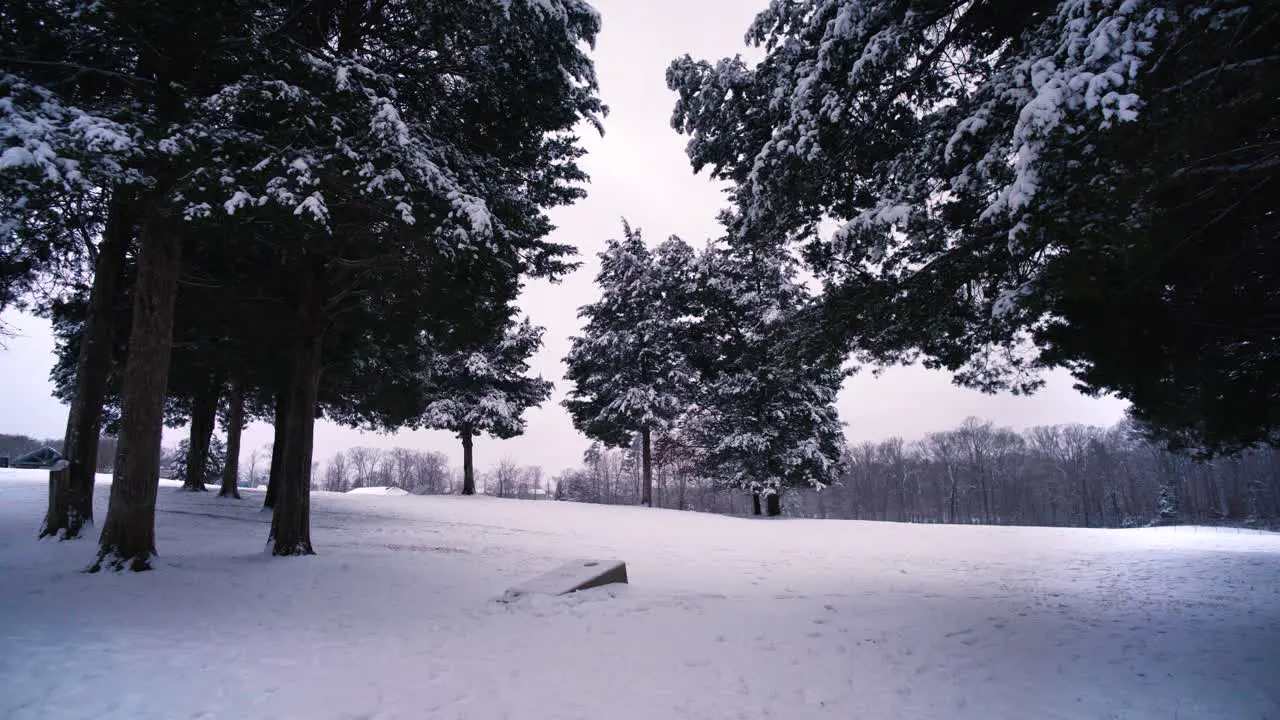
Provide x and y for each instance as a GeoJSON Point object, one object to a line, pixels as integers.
{"type": "Point", "coordinates": [72, 530]}
{"type": "Point", "coordinates": [295, 550]}
{"type": "Point", "coordinates": [110, 560]}
{"type": "Point", "coordinates": [235, 494]}
{"type": "Point", "coordinates": [64, 534]}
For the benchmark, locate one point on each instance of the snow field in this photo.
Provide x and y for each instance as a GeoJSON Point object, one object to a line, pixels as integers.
{"type": "Point", "coordinates": [725, 617]}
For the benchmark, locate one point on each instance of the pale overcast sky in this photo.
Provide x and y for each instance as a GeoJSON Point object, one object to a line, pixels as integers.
{"type": "Point", "coordinates": [639, 171]}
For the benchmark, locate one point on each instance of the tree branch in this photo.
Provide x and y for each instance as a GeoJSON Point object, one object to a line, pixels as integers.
{"type": "Point", "coordinates": [78, 68]}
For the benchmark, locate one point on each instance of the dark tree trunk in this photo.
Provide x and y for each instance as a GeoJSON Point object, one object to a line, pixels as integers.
{"type": "Point", "coordinates": [755, 503]}
{"type": "Point", "coordinates": [277, 449]}
{"type": "Point", "coordinates": [774, 504]}
{"type": "Point", "coordinates": [128, 535]}
{"type": "Point", "coordinates": [468, 464]}
{"type": "Point", "coordinates": [71, 492]}
{"type": "Point", "coordinates": [646, 467]}
{"type": "Point", "coordinates": [291, 519]}
{"type": "Point", "coordinates": [1084, 498]}
{"type": "Point", "coordinates": [235, 424]}
{"type": "Point", "coordinates": [204, 414]}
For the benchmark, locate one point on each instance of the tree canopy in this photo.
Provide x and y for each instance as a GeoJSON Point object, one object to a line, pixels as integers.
{"type": "Point", "coordinates": [312, 196]}
{"type": "Point", "coordinates": [1020, 185]}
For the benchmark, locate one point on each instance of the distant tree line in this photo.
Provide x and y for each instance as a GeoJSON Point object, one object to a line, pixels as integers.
{"type": "Point", "coordinates": [424, 473]}
{"type": "Point", "coordinates": [1061, 475]}
{"type": "Point", "coordinates": [508, 479]}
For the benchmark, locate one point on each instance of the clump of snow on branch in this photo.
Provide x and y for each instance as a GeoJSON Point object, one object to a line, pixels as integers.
{"type": "Point", "coordinates": [48, 143]}
{"type": "Point", "coordinates": [1087, 79]}
{"type": "Point", "coordinates": [487, 389]}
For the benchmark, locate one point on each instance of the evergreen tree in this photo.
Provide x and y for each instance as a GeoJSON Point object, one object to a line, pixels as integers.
{"type": "Point", "coordinates": [91, 93]}
{"type": "Point", "coordinates": [764, 420]}
{"type": "Point", "coordinates": [486, 391]}
{"type": "Point", "coordinates": [1021, 185]}
{"type": "Point", "coordinates": [390, 193]}
{"type": "Point", "coordinates": [215, 463]}
{"type": "Point", "coordinates": [629, 369]}
{"type": "Point", "coordinates": [448, 207]}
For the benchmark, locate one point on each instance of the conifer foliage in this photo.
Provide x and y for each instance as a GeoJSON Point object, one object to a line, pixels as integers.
{"type": "Point", "coordinates": [765, 419]}
{"type": "Point", "coordinates": [628, 368]}
{"type": "Point", "coordinates": [691, 346]}
{"type": "Point", "coordinates": [371, 171]}
{"type": "Point", "coordinates": [1085, 184]}
{"type": "Point", "coordinates": [486, 391]}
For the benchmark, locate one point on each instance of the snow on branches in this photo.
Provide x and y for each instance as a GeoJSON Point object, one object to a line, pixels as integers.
{"type": "Point", "coordinates": [355, 141]}
{"type": "Point", "coordinates": [628, 367]}
{"type": "Point", "coordinates": [50, 146]}
{"type": "Point", "coordinates": [925, 135]}
{"type": "Point", "coordinates": [689, 344]}
{"type": "Point", "coordinates": [844, 68]}
{"type": "Point", "coordinates": [487, 389]}
{"type": "Point", "coordinates": [764, 418]}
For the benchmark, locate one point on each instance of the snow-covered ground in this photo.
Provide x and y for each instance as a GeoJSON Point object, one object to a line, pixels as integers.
{"type": "Point", "coordinates": [725, 617]}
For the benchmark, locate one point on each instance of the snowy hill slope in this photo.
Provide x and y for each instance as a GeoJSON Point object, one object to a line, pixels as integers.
{"type": "Point", "coordinates": [725, 617]}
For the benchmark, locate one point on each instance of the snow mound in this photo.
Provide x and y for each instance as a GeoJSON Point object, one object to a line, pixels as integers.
{"type": "Point", "coordinates": [380, 490]}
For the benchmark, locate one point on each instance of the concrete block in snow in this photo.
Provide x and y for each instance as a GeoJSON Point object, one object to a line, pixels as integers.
{"type": "Point", "coordinates": [571, 577]}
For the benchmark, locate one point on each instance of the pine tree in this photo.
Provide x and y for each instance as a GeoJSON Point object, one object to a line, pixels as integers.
{"type": "Point", "coordinates": [449, 207]}
{"type": "Point", "coordinates": [765, 419]}
{"type": "Point", "coordinates": [1018, 186]}
{"type": "Point", "coordinates": [629, 368]}
{"type": "Point", "coordinates": [81, 122]}
{"type": "Point", "coordinates": [405, 198]}
{"type": "Point", "coordinates": [486, 391]}
{"type": "Point", "coordinates": [215, 462]}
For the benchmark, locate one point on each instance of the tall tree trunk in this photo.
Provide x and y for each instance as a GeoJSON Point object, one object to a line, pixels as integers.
{"type": "Point", "coordinates": [1084, 498]}
{"type": "Point", "coordinates": [235, 424]}
{"type": "Point", "coordinates": [468, 463]}
{"type": "Point", "coordinates": [774, 504]}
{"type": "Point", "coordinates": [755, 503]}
{"type": "Point", "coordinates": [291, 518]}
{"type": "Point", "coordinates": [277, 449]}
{"type": "Point", "coordinates": [646, 467]}
{"type": "Point", "coordinates": [204, 414]}
{"type": "Point", "coordinates": [128, 535]}
{"type": "Point", "coordinates": [71, 494]}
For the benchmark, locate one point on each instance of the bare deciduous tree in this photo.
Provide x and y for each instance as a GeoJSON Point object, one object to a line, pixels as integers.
{"type": "Point", "coordinates": [1070, 475]}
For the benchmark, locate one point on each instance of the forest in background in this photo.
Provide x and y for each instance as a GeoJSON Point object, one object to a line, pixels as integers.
{"type": "Point", "coordinates": [979, 473]}
{"type": "Point", "coordinates": [1060, 475]}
